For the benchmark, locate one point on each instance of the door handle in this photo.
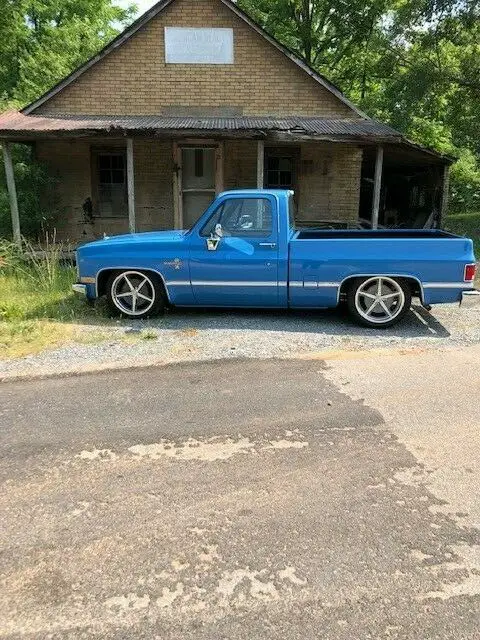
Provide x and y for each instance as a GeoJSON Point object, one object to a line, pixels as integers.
{"type": "Point", "coordinates": [272, 245]}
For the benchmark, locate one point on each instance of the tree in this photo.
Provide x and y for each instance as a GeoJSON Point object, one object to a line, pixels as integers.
{"type": "Point", "coordinates": [322, 32]}
{"type": "Point", "coordinates": [41, 41]}
{"type": "Point", "coordinates": [412, 63]}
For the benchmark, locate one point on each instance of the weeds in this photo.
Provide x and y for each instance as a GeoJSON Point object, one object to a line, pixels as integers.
{"type": "Point", "coordinates": [36, 299]}
{"type": "Point", "coordinates": [149, 334]}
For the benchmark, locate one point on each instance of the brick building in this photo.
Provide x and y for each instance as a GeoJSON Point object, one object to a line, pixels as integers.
{"type": "Point", "coordinates": [194, 98]}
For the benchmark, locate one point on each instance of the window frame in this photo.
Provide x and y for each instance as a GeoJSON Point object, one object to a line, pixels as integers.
{"type": "Point", "coordinates": [246, 234]}
{"type": "Point", "coordinates": [95, 154]}
{"type": "Point", "coordinates": [292, 153]}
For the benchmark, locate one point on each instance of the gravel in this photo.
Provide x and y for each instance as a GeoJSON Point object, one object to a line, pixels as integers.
{"type": "Point", "coordinates": [186, 335]}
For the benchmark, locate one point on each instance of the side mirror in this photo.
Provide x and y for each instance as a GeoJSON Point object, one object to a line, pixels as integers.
{"type": "Point", "coordinates": [218, 230]}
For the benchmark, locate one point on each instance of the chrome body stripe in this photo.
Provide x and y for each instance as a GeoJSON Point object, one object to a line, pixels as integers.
{"type": "Point", "coordinates": [313, 284]}
{"type": "Point", "coordinates": [237, 283]}
{"type": "Point", "coordinates": [178, 283]}
{"type": "Point", "coordinates": [448, 285]}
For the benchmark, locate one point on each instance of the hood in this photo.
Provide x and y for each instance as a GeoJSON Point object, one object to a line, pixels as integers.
{"type": "Point", "coordinates": [136, 238]}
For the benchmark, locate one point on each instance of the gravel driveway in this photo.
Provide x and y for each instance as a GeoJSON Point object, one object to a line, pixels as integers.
{"type": "Point", "coordinates": [184, 335]}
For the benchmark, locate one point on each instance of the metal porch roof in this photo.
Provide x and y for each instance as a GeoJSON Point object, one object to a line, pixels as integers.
{"type": "Point", "coordinates": [16, 122]}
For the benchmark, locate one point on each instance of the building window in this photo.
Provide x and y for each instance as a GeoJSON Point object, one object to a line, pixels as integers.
{"type": "Point", "coordinates": [281, 167]}
{"type": "Point", "coordinates": [280, 172]}
{"type": "Point", "coordinates": [199, 153]}
{"type": "Point", "coordinates": [110, 183]}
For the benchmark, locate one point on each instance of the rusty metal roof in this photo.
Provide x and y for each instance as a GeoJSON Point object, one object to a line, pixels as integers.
{"type": "Point", "coordinates": [18, 126]}
{"type": "Point", "coordinates": [19, 123]}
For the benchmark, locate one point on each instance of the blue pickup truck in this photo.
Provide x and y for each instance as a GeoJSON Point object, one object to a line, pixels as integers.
{"type": "Point", "coordinates": [245, 251]}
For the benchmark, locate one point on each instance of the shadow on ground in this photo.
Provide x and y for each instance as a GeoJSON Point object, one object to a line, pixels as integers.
{"type": "Point", "coordinates": [418, 323]}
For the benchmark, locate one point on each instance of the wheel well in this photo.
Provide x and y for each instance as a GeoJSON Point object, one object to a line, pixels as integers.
{"type": "Point", "coordinates": [104, 275]}
{"type": "Point", "coordinates": [414, 285]}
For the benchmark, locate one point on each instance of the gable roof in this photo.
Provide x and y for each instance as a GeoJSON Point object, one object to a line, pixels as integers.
{"type": "Point", "coordinates": [152, 13]}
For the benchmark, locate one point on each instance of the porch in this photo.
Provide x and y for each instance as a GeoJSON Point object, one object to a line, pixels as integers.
{"type": "Point", "coordinates": [145, 174]}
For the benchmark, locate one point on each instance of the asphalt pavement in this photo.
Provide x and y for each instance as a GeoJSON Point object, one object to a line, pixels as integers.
{"type": "Point", "coordinates": [240, 499]}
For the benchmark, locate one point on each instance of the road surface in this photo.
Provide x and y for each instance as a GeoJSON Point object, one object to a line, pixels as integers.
{"type": "Point", "coordinates": [333, 499]}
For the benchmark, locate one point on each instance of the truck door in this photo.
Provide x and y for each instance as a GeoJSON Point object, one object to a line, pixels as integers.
{"type": "Point", "coordinates": [234, 255]}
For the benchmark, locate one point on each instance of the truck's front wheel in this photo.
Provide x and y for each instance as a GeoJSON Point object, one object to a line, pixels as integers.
{"type": "Point", "coordinates": [135, 294]}
{"type": "Point", "coordinates": [378, 301]}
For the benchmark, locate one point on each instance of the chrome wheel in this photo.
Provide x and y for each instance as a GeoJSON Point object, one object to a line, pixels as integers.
{"type": "Point", "coordinates": [379, 300]}
{"type": "Point", "coordinates": [133, 293]}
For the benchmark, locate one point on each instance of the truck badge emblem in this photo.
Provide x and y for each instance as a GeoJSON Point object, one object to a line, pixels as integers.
{"type": "Point", "coordinates": [212, 243]}
{"type": "Point", "coordinates": [176, 264]}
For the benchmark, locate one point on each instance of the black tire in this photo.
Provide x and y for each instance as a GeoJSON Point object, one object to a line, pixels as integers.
{"type": "Point", "coordinates": [398, 294]}
{"type": "Point", "coordinates": [135, 307]}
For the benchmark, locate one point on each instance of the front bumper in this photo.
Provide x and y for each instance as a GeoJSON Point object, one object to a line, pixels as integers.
{"type": "Point", "coordinates": [80, 288]}
{"type": "Point", "coordinates": [470, 299]}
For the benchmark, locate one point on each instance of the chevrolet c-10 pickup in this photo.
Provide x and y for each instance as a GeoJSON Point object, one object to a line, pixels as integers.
{"type": "Point", "coordinates": [245, 251]}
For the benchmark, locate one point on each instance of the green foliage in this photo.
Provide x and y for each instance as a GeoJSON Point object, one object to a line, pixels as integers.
{"type": "Point", "coordinates": [41, 41]}
{"type": "Point", "coordinates": [465, 188]}
{"type": "Point", "coordinates": [41, 265]}
{"type": "Point", "coordinates": [37, 201]}
{"type": "Point", "coordinates": [412, 63]}
{"type": "Point", "coordinates": [466, 224]}
{"type": "Point", "coordinates": [33, 281]}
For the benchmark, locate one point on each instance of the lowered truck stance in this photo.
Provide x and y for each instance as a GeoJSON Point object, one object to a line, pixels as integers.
{"type": "Point", "coordinates": [245, 252]}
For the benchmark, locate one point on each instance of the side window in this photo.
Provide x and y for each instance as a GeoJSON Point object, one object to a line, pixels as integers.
{"type": "Point", "coordinates": [109, 183]}
{"type": "Point", "coordinates": [242, 217]}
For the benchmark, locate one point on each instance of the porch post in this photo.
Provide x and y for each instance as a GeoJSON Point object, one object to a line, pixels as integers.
{"type": "Point", "coordinates": [444, 200]}
{"type": "Point", "coordinates": [12, 191]}
{"type": "Point", "coordinates": [260, 163]}
{"type": "Point", "coordinates": [377, 187]}
{"type": "Point", "coordinates": [131, 186]}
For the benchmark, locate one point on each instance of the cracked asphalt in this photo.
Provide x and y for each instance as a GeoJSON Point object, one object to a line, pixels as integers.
{"type": "Point", "coordinates": [244, 499]}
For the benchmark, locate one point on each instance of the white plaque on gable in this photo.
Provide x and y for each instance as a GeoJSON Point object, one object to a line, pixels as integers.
{"type": "Point", "coordinates": [186, 45]}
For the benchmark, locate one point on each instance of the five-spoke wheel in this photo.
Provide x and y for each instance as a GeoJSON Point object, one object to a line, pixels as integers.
{"type": "Point", "coordinates": [379, 301]}
{"type": "Point", "coordinates": [135, 294]}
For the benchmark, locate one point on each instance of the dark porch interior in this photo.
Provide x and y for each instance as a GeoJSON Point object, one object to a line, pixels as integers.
{"type": "Point", "coordinates": [413, 182]}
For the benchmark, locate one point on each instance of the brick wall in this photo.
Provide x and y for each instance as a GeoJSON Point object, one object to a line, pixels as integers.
{"type": "Point", "coordinates": [134, 79]}
{"type": "Point", "coordinates": [70, 163]}
{"type": "Point", "coordinates": [328, 182]}
{"type": "Point", "coordinates": [240, 164]}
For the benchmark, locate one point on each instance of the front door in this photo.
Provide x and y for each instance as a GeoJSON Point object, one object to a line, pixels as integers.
{"type": "Point", "coordinates": [198, 182]}
{"type": "Point", "coordinates": [234, 256]}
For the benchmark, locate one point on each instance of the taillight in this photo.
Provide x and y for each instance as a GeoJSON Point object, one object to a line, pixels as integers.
{"type": "Point", "coordinates": [470, 272]}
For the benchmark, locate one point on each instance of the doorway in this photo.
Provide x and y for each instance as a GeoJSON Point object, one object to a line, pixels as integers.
{"type": "Point", "coordinates": [199, 170]}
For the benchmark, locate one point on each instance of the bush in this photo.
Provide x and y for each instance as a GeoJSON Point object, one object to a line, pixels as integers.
{"type": "Point", "coordinates": [466, 224]}
{"type": "Point", "coordinates": [37, 202]}
{"type": "Point", "coordinates": [465, 184]}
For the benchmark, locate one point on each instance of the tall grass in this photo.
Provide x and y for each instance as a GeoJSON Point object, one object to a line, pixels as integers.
{"type": "Point", "coordinates": [42, 266]}
{"type": "Point", "coordinates": [36, 298]}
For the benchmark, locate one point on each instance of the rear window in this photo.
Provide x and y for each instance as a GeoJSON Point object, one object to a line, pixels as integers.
{"type": "Point", "coordinates": [291, 211]}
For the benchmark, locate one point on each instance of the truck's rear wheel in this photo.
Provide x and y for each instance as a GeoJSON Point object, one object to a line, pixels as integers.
{"type": "Point", "coordinates": [378, 301]}
{"type": "Point", "coordinates": [135, 294]}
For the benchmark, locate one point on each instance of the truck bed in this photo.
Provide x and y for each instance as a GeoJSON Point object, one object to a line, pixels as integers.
{"type": "Point", "coordinates": [321, 260]}
{"type": "Point", "coordinates": [392, 234]}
